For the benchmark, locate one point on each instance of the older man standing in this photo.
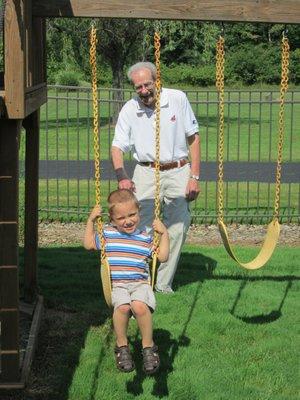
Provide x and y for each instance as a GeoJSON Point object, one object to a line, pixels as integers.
{"type": "Point", "coordinates": [179, 159]}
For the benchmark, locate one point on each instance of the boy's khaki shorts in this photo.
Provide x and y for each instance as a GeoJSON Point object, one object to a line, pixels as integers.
{"type": "Point", "coordinates": [125, 293]}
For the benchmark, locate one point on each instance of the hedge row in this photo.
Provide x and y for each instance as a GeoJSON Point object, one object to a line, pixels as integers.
{"type": "Point", "coordinates": [243, 67]}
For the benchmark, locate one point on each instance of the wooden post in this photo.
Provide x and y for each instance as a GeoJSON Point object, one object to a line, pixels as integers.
{"type": "Point", "coordinates": [9, 282]}
{"type": "Point", "coordinates": [31, 124]}
{"type": "Point", "coordinates": [15, 63]}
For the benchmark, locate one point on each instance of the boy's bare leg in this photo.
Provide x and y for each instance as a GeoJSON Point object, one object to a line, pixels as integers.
{"type": "Point", "coordinates": [120, 320]}
{"type": "Point", "coordinates": [144, 320]}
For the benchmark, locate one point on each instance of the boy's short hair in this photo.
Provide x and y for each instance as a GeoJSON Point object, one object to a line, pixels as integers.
{"type": "Point", "coordinates": [120, 196]}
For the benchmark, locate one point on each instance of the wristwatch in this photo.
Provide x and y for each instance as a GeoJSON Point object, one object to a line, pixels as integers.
{"type": "Point", "coordinates": [195, 177]}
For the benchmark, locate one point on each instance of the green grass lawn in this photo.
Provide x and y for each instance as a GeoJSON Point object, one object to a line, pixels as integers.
{"type": "Point", "coordinates": [250, 135]}
{"type": "Point", "coordinates": [225, 334]}
{"type": "Point", "coordinates": [250, 131]}
{"type": "Point", "coordinates": [73, 199]}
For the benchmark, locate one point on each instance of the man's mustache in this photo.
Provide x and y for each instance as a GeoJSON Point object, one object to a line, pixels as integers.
{"type": "Point", "coordinates": [143, 96]}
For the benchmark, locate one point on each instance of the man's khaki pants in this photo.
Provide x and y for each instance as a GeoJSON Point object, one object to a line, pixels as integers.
{"type": "Point", "coordinates": [175, 212]}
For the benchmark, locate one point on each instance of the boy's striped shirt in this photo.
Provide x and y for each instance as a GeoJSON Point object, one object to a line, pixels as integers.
{"type": "Point", "coordinates": [127, 254]}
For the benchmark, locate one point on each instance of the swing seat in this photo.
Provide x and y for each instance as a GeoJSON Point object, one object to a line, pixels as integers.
{"type": "Point", "coordinates": [265, 252]}
{"type": "Point", "coordinates": [106, 281]}
{"type": "Point", "coordinates": [273, 227]}
{"type": "Point", "coordinates": [153, 270]}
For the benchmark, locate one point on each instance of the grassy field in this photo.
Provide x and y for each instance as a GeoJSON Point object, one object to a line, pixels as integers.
{"type": "Point", "coordinates": [225, 334]}
{"type": "Point", "coordinates": [251, 125]}
{"type": "Point", "coordinates": [251, 135]}
{"type": "Point", "coordinates": [74, 198]}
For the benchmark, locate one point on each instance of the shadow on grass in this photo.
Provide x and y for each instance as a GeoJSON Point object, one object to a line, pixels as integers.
{"type": "Point", "coordinates": [260, 318]}
{"type": "Point", "coordinates": [168, 349]}
{"type": "Point", "coordinates": [70, 283]}
{"type": "Point", "coordinates": [197, 267]}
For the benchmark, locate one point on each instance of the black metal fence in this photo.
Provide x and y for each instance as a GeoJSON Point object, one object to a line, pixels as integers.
{"type": "Point", "coordinates": [66, 153]}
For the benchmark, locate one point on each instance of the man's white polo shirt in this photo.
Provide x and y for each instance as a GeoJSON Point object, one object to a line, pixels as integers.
{"type": "Point", "coordinates": [135, 129]}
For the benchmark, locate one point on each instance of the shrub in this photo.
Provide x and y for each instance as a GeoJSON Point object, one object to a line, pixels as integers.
{"type": "Point", "coordinates": [243, 63]}
{"type": "Point", "coordinates": [203, 75]}
{"type": "Point", "coordinates": [252, 64]}
{"type": "Point", "coordinates": [68, 78]}
{"type": "Point", "coordinates": [104, 76]}
{"type": "Point", "coordinates": [295, 66]}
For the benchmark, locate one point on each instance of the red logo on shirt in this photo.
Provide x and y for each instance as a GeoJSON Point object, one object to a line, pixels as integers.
{"type": "Point", "coordinates": [173, 119]}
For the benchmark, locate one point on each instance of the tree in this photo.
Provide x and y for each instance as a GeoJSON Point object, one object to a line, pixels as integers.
{"type": "Point", "coordinates": [186, 42]}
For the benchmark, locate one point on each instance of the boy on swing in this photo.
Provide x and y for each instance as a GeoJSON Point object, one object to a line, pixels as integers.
{"type": "Point", "coordinates": [128, 250]}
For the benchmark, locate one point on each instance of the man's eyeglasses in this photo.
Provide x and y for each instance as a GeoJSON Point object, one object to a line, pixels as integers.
{"type": "Point", "coordinates": [146, 85]}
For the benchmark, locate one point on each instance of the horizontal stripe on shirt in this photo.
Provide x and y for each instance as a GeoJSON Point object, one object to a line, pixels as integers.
{"type": "Point", "coordinates": [127, 254]}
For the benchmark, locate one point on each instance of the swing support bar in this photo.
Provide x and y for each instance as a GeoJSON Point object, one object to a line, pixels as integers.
{"type": "Point", "coordinates": [281, 11]}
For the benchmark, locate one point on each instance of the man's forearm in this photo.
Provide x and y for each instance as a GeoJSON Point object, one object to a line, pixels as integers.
{"type": "Point", "coordinates": [121, 174]}
{"type": "Point", "coordinates": [117, 157]}
{"type": "Point", "coordinates": [194, 144]}
{"type": "Point", "coordinates": [118, 163]}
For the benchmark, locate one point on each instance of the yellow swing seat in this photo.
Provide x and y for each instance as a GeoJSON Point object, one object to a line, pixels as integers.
{"type": "Point", "coordinates": [106, 281]}
{"type": "Point", "coordinates": [265, 252]}
{"type": "Point", "coordinates": [273, 230]}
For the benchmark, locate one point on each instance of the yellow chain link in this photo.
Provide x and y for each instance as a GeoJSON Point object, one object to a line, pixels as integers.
{"type": "Point", "coordinates": [220, 61]}
{"type": "Point", "coordinates": [93, 63]}
{"type": "Point", "coordinates": [283, 89]}
{"type": "Point", "coordinates": [157, 132]}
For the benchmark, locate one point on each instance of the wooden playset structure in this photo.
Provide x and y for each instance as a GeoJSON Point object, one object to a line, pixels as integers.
{"type": "Point", "coordinates": [22, 92]}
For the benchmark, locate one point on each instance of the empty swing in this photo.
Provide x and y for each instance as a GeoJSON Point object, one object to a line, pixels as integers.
{"type": "Point", "coordinates": [274, 226]}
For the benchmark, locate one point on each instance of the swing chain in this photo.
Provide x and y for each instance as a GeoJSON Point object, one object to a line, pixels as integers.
{"type": "Point", "coordinates": [220, 61]}
{"type": "Point", "coordinates": [157, 133]}
{"type": "Point", "coordinates": [93, 62]}
{"type": "Point", "coordinates": [283, 89]}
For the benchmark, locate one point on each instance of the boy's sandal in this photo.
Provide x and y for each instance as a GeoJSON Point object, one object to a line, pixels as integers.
{"type": "Point", "coordinates": [151, 359]}
{"type": "Point", "coordinates": [123, 359]}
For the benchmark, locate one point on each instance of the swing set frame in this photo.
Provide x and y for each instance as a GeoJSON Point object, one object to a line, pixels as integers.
{"type": "Point", "coordinates": [23, 90]}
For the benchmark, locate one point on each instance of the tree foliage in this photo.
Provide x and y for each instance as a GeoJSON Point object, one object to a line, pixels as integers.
{"type": "Point", "coordinates": [187, 50]}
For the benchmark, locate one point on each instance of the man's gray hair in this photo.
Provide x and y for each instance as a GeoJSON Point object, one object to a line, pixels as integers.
{"type": "Point", "coordinates": [142, 65]}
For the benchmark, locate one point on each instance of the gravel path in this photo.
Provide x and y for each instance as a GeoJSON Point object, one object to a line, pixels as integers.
{"type": "Point", "coordinates": [56, 233]}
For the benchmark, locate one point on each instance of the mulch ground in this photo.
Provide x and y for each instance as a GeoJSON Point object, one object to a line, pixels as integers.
{"type": "Point", "coordinates": [56, 233]}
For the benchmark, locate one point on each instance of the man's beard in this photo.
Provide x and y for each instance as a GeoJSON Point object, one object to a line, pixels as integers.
{"type": "Point", "coordinates": [145, 98]}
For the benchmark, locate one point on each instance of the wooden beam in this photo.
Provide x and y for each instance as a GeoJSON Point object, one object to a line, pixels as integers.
{"type": "Point", "coordinates": [30, 348]}
{"type": "Point", "coordinates": [31, 124]}
{"type": "Point", "coordinates": [15, 68]}
{"type": "Point", "coordinates": [35, 97]}
{"type": "Point", "coordinates": [25, 60]}
{"type": "Point", "coordinates": [280, 11]}
{"type": "Point", "coordinates": [33, 339]}
{"type": "Point", "coordinates": [39, 46]}
{"type": "Point", "coordinates": [9, 282]}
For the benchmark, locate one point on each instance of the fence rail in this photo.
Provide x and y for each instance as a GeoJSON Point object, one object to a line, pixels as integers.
{"type": "Point", "coordinates": [66, 153]}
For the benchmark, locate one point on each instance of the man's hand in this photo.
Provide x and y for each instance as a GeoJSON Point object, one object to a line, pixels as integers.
{"type": "Point", "coordinates": [192, 189]}
{"type": "Point", "coordinates": [127, 184]}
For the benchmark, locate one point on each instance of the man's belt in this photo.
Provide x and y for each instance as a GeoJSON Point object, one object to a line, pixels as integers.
{"type": "Point", "coordinates": [166, 166]}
